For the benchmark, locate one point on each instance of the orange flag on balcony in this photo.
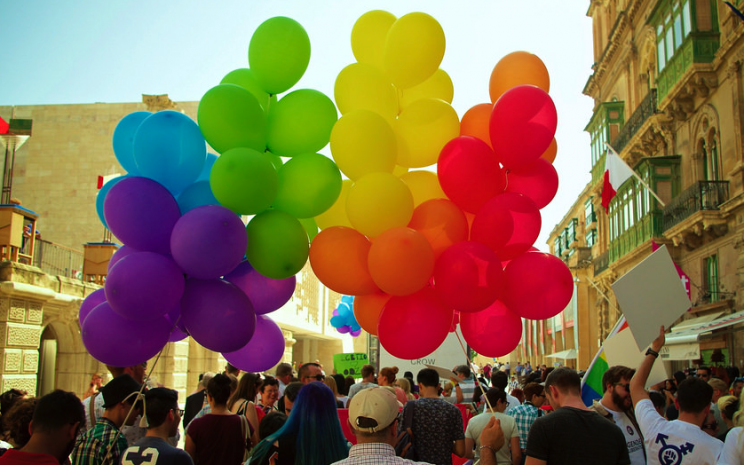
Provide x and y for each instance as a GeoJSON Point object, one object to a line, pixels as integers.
{"type": "Point", "coordinates": [615, 174]}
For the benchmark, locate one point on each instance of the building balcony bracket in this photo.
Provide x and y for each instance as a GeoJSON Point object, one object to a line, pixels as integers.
{"type": "Point", "coordinates": [692, 231]}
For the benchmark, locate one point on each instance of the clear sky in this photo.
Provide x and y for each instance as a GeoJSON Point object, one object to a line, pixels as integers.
{"type": "Point", "coordinates": [86, 51]}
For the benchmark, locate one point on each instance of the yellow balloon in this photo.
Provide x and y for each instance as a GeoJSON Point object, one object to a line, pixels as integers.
{"type": "Point", "coordinates": [363, 87]}
{"type": "Point", "coordinates": [413, 50]}
{"type": "Point", "coordinates": [438, 86]}
{"type": "Point", "coordinates": [424, 186]}
{"type": "Point", "coordinates": [368, 36]}
{"type": "Point", "coordinates": [423, 129]}
{"type": "Point", "coordinates": [336, 215]}
{"type": "Point", "coordinates": [363, 142]}
{"type": "Point", "coordinates": [378, 202]}
{"type": "Point", "coordinates": [400, 170]}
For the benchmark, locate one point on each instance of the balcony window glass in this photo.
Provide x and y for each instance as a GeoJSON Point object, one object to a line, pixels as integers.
{"type": "Point", "coordinates": [589, 212]}
{"type": "Point", "coordinates": [591, 237]}
{"type": "Point", "coordinates": [686, 18]}
{"type": "Point", "coordinates": [677, 30]}
{"type": "Point", "coordinates": [669, 42]}
{"type": "Point", "coordinates": [661, 54]}
{"type": "Point", "coordinates": [711, 278]}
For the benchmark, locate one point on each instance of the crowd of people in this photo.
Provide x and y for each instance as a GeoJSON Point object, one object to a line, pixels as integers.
{"type": "Point", "coordinates": [533, 417]}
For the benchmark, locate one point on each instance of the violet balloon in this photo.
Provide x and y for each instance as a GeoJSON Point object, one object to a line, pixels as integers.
{"type": "Point", "coordinates": [124, 251]}
{"type": "Point", "coordinates": [493, 332]}
{"type": "Point", "coordinates": [217, 314]}
{"type": "Point", "coordinates": [141, 213]}
{"type": "Point", "coordinates": [117, 341]}
{"type": "Point", "coordinates": [96, 298]}
{"type": "Point", "coordinates": [538, 285]}
{"type": "Point", "coordinates": [266, 294]}
{"type": "Point", "coordinates": [264, 351]}
{"type": "Point", "coordinates": [144, 286]}
{"type": "Point", "coordinates": [208, 242]}
{"type": "Point", "coordinates": [178, 331]}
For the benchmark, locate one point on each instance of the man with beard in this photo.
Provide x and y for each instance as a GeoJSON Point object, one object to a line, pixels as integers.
{"type": "Point", "coordinates": [617, 406]}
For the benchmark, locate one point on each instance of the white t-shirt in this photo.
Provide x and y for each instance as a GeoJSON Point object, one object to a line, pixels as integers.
{"type": "Point", "coordinates": [513, 402]}
{"type": "Point", "coordinates": [731, 454]}
{"type": "Point", "coordinates": [508, 426]}
{"type": "Point", "coordinates": [632, 438]}
{"type": "Point", "coordinates": [675, 442]}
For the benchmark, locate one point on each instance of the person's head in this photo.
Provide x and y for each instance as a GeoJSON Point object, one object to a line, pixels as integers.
{"type": "Point", "coordinates": [710, 425]}
{"type": "Point", "coordinates": [368, 373]}
{"type": "Point", "coordinates": [387, 376]}
{"type": "Point", "coordinates": [56, 422]}
{"type": "Point", "coordinates": [659, 401]}
{"type": "Point", "coordinates": [670, 385]}
{"type": "Point", "coordinates": [137, 372]}
{"type": "Point", "coordinates": [9, 398]}
{"type": "Point", "coordinates": [331, 383]}
{"type": "Point", "coordinates": [205, 377]}
{"type": "Point", "coordinates": [535, 394]}
{"type": "Point", "coordinates": [284, 373]}
{"type": "Point", "coordinates": [248, 388]}
{"type": "Point", "coordinates": [497, 398]}
{"type": "Point", "coordinates": [121, 401]}
{"type": "Point", "coordinates": [315, 425]}
{"type": "Point", "coordinates": [373, 415]}
{"type": "Point", "coordinates": [728, 405]}
{"type": "Point", "coordinates": [562, 384]}
{"type": "Point", "coordinates": [349, 382]}
{"type": "Point", "coordinates": [694, 396]}
{"type": "Point", "coordinates": [231, 370]}
{"type": "Point", "coordinates": [499, 379]}
{"type": "Point", "coordinates": [737, 387]}
{"type": "Point", "coordinates": [17, 420]}
{"type": "Point", "coordinates": [161, 410]}
{"type": "Point", "coordinates": [269, 391]}
{"type": "Point", "coordinates": [678, 377]}
{"type": "Point", "coordinates": [341, 388]}
{"type": "Point", "coordinates": [616, 386]}
{"type": "Point", "coordinates": [96, 380]}
{"type": "Point", "coordinates": [218, 390]}
{"type": "Point", "coordinates": [404, 384]}
{"type": "Point", "coordinates": [518, 394]}
{"type": "Point", "coordinates": [447, 389]}
{"type": "Point", "coordinates": [290, 396]}
{"type": "Point", "coordinates": [703, 373]}
{"type": "Point", "coordinates": [462, 371]}
{"type": "Point", "coordinates": [428, 378]}
{"type": "Point", "coordinates": [719, 388]}
{"type": "Point", "coordinates": [270, 424]}
{"type": "Point", "coordinates": [310, 372]}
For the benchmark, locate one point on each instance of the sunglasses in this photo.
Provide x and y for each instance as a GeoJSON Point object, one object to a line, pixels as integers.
{"type": "Point", "coordinates": [179, 411]}
{"type": "Point", "coordinates": [316, 377]}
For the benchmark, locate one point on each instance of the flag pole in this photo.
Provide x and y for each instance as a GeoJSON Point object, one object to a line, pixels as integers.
{"type": "Point", "coordinates": [609, 147]}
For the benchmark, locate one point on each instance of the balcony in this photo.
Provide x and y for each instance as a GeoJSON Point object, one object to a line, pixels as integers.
{"type": "Point", "coordinates": [701, 196]}
{"type": "Point", "coordinates": [602, 262]}
{"type": "Point", "coordinates": [645, 110]}
{"type": "Point", "coordinates": [644, 229]}
{"type": "Point", "coordinates": [58, 260]}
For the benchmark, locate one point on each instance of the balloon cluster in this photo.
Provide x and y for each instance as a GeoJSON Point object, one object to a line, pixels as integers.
{"type": "Point", "coordinates": [190, 266]}
{"type": "Point", "coordinates": [343, 317]}
{"type": "Point", "coordinates": [422, 252]}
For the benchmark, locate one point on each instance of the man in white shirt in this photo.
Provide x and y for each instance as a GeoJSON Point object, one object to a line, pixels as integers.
{"type": "Point", "coordinates": [678, 441]}
{"type": "Point", "coordinates": [284, 376]}
{"type": "Point", "coordinates": [616, 406]}
{"type": "Point", "coordinates": [368, 381]}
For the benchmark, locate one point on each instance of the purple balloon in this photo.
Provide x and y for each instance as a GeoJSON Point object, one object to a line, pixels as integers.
{"type": "Point", "coordinates": [141, 213]}
{"type": "Point", "coordinates": [144, 286]}
{"type": "Point", "coordinates": [218, 315]}
{"type": "Point", "coordinates": [266, 294]}
{"type": "Point", "coordinates": [120, 342]}
{"type": "Point", "coordinates": [264, 351]}
{"type": "Point", "coordinates": [208, 242]}
{"type": "Point", "coordinates": [124, 251]}
{"type": "Point", "coordinates": [356, 333]}
{"type": "Point", "coordinates": [178, 331]}
{"type": "Point", "coordinates": [92, 301]}
{"type": "Point", "coordinates": [343, 329]}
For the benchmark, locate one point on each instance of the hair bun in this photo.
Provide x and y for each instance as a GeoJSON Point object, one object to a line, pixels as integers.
{"type": "Point", "coordinates": [395, 370]}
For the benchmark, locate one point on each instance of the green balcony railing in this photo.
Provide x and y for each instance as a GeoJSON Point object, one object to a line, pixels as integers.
{"type": "Point", "coordinates": [702, 195]}
{"type": "Point", "coordinates": [645, 228]}
{"type": "Point", "coordinates": [645, 110]}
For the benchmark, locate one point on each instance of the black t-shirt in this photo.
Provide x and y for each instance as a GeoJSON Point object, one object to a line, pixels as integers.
{"type": "Point", "coordinates": [154, 451]}
{"type": "Point", "coordinates": [571, 436]}
{"type": "Point", "coordinates": [436, 425]}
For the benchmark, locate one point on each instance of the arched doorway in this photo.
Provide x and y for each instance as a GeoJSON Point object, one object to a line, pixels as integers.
{"type": "Point", "coordinates": [46, 379]}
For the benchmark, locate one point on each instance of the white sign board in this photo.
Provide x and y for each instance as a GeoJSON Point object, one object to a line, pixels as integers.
{"type": "Point", "coordinates": [620, 349]}
{"type": "Point", "coordinates": [448, 355]}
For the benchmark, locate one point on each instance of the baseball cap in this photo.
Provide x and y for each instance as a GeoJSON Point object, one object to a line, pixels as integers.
{"type": "Point", "coordinates": [373, 409]}
{"type": "Point", "coordinates": [118, 389]}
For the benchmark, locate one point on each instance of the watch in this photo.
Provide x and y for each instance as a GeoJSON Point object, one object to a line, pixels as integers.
{"type": "Point", "coordinates": [651, 351]}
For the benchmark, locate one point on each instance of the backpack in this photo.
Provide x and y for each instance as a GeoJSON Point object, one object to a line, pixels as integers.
{"type": "Point", "coordinates": [404, 443]}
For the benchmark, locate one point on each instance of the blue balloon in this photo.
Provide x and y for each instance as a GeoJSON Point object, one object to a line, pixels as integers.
{"type": "Point", "coordinates": [355, 326]}
{"type": "Point", "coordinates": [347, 299]}
{"type": "Point", "coordinates": [196, 195]}
{"type": "Point", "coordinates": [204, 176]}
{"type": "Point", "coordinates": [337, 321]}
{"type": "Point", "coordinates": [344, 311]}
{"type": "Point", "coordinates": [102, 196]}
{"type": "Point", "coordinates": [123, 140]}
{"type": "Point", "coordinates": [169, 148]}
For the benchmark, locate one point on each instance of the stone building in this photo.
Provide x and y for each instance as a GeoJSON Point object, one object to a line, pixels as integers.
{"type": "Point", "coordinates": [668, 95]}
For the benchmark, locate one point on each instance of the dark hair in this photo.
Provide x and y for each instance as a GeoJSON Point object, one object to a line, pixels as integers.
{"type": "Point", "coordinates": [341, 386]}
{"type": "Point", "coordinates": [283, 369]}
{"type": "Point", "coordinates": [546, 372]}
{"type": "Point", "coordinates": [388, 373]}
{"type": "Point", "coordinates": [271, 423]}
{"type": "Point", "coordinates": [463, 369]}
{"type": "Point", "coordinates": [494, 395]}
{"type": "Point", "coordinates": [679, 376]}
{"type": "Point", "coordinates": [367, 370]}
{"type": "Point", "coordinates": [247, 388]}
{"type": "Point", "coordinates": [614, 374]}
{"type": "Point", "coordinates": [499, 380]}
{"type": "Point", "coordinates": [518, 394]}
{"type": "Point", "coordinates": [693, 395]}
{"type": "Point", "coordinates": [657, 399]}
{"type": "Point", "coordinates": [532, 389]}
{"type": "Point", "coordinates": [292, 390]}
{"type": "Point", "coordinates": [268, 381]}
{"type": "Point", "coordinates": [704, 368]}
{"type": "Point", "coordinates": [16, 421]}
{"type": "Point", "coordinates": [231, 370]}
{"type": "Point", "coordinates": [158, 402]}
{"type": "Point", "coordinates": [566, 380]}
{"type": "Point", "coordinates": [305, 369]}
{"type": "Point", "coordinates": [8, 399]}
{"type": "Point", "coordinates": [348, 382]}
{"type": "Point", "coordinates": [219, 388]}
{"type": "Point", "coordinates": [428, 377]}
{"type": "Point", "coordinates": [56, 410]}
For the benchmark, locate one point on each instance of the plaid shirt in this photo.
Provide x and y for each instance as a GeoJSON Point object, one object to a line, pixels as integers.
{"type": "Point", "coordinates": [525, 415]}
{"type": "Point", "coordinates": [92, 446]}
{"type": "Point", "coordinates": [372, 454]}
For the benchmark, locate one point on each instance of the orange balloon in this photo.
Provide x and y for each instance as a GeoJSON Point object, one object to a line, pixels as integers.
{"type": "Point", "coordinates": [515, 69]}
{"type": "Point", "coordinates": [550, 152]}
{"type": "Point", "coordinates": [441, 222]}
{"type": "Point", "coordinates": [401, 261]}
{"type": "Point", "coordinates": [367, 309]}
{"type": "Point", "coordinates": [475, 122]}
{"type": "Point", "coordinates": [338, 256]}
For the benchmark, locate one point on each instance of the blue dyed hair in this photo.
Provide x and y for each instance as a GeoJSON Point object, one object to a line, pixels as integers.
{"type": "Point", "coordinates": [314, 421]}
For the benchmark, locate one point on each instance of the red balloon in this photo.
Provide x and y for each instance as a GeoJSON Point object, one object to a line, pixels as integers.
{"type": "Point", "coordinates": [468, 277]}
{"type": "Point", "coordinates": [494, 332]}
{"type": "Point", "coordinates": [539, 285]}
{"type": "Point", "coordinates": [522, 125]}
{"type": "Point", "coordinates": [469, 172]}
{"type": "Point", "coordinates": [441, 222]}
{"type": "Point", "coordinates": [455, 321]}
{"type": "Point", "coordinates": [509, 224]}
{"type": "Point", "coordinates": [415, 325]}
{"type": "Point", "coordinates": [538, 181]}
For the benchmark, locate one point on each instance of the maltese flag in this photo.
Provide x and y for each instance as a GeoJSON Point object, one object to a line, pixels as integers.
{"type": "Point", "coordinates": [616, 173]}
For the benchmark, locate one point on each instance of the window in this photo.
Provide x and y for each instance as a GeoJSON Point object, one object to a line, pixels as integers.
{"type": "Point", "coordinates": [675, 25]}
{"type": "Point", "coordinates": [570, 232]}
{"type": "Point", "coordinates": [589, 216]}
{"type": "Point", "coordinates": [709, 157]}
{"type": "Point", "coordinates": [591, 237]}
{"type": "Point", "coordinates": [557, 246]}
{"type": "Point", "coordinates": [604, 126]}
{"type": "Point", "coordinates": [710, 273]}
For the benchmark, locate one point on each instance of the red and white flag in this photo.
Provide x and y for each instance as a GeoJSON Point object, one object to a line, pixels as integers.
{"type": "Point", "coordinates": [615, 174]}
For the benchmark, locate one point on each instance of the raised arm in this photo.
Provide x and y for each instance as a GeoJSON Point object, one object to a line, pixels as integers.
{"type": "Point", "coordinates": [638, 382]}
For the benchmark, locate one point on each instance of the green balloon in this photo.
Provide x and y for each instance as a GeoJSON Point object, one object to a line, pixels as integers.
{"type": "Point", "coordinates": [229, 116]}
{"type": "Point", "coordinates": [278, 54]}
{"type": "Point", "coordinates": [244, 78]}
{"type": "Point", "coordinates": [311, 227]}
{"type": "Point", "coordinates": [244, 181]}
{"type": "Point", "coordinates": [309, 184]}
{"type": "Point", "coordinates": [276, 160]}
{"type": "Point", "coordinates": [277, 244]}
{"type": "Point", "coordinates": [301, 122]}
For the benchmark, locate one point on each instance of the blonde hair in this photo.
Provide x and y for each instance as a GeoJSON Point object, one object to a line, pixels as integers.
{"type": "Point", "coordinates": [718, 384]}
{"type": "Point", "coordinates": [404, 384]}
{"type": "Point", "coordinates": [331, 383]}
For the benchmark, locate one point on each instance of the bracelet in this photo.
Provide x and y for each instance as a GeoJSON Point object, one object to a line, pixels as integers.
{"type": "Point", "coordinates": [457, 385]}
{"type": "Point", "coordinates": [651, 351]}
{"type": "Point", "coordinates": [486, 447]}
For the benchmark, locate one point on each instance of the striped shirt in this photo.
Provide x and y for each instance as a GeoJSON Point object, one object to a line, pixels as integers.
{"type": "Point", "coordinates": [372, 454]}
{"type": "Point", "coordinates": [525, 415]}
{"type": "Point", "coordinates": [92, 446]}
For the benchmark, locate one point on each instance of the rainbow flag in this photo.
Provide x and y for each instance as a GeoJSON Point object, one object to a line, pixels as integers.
{"type": "Point", "coordinates": [591, 383]}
